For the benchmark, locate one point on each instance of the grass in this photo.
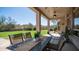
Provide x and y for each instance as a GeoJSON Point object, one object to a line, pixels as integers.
{"type": "Point", "coordinates": [5, 34]}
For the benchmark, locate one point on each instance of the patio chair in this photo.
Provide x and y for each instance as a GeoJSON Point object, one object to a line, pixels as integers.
{"type": "Point", "coordinates": [16, 38]}
{"type": "Point", "coordinates": [56, 45]}
{"type": "Point", "coordinates": [61, 43]}
{"type": "Point", "coordinates": [27, 36]}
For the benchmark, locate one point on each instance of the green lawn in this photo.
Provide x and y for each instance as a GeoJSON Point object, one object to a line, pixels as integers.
{"type": "Point", "coordinates": [5, 34]}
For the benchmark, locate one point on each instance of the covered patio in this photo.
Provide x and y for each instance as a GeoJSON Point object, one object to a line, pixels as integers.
{"type": "Point", "coordinates": [64, 15]}
{"type": "Point", "coordinates": [63, 39]}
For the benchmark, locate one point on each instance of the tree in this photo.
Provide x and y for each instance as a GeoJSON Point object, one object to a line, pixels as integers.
{"type": "Point", "coordinates": [10, 24]}
{"type": "Point", "coordinates": [2, 23]}
{"type": "Point", "coordinates": [77, 26]}
{"type": "Point", "coordinates": [30, 26]}
{"type": "Point", "coordinates": [6, 23]}
{"type": "Point", "coordinates": [2, 20]}
{"type": "Point", "coordinates": [55, 25]}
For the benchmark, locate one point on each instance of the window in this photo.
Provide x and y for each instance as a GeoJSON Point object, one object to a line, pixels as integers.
{"type": "Point", "coordinates": [54, 24]}
{"type": "Point", "coordinates": [76, 23]}
{"type": "Point", "coordinates": [43, 23]}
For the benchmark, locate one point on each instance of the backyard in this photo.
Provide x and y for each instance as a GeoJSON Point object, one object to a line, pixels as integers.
{"type": "Point", "coordinates": [5, 34]}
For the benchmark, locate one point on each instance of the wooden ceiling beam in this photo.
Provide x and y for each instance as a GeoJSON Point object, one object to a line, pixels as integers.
{"type": "Point", "coordinates": [75, 9]}
{"type": "Point", "coordinates": [36, 8]}
{"type": "Point", "coordinates": [76, 12]}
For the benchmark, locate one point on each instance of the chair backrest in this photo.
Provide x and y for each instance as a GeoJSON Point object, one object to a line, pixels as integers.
{"type": "Point", "coordinates": [16, 38]}
{"type": "Point", "coordinates": [27, 36]}
{"type": "Point", "coordinates": [61, 42]}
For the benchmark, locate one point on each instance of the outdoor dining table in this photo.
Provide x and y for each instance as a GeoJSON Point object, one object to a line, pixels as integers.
{"type": "Point", "coordinates": [33, 45]}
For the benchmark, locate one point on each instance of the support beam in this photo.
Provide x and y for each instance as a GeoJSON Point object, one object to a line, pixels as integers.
{"type": "Point", "coordinates": [72, 23]}
{"type": "Point", "coordinates": [41, 12]}
{"type": "Point", "coordinates": [62, 25]}
{"type": "Point", "coordinates": [69, 23]}
{"type": "Point", "coordinates": [38, 22]}
{"type": "Point", "coordinates": [75, 9]}
{"type": "Point", "coordinates": [72, 20]}
{"type": "Point", "coordinates": [48, 25]}
{"type": "Point", "coordinates": [58, 26]}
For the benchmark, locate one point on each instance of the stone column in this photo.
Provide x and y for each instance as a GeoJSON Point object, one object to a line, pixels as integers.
{"type": "Point", "coordinates": [72, 19]}
{"type": "Point", "coordinates": [48, 25]}
{"type": "Point", "coordinates": [38, 22]}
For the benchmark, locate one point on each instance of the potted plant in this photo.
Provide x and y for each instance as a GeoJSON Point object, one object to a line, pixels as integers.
{"type": "Point", "coordinates": [36, 36]}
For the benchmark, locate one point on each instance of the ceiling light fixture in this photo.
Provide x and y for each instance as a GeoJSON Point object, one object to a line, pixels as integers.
{"type": "Point", "coordinates": [54, 14]}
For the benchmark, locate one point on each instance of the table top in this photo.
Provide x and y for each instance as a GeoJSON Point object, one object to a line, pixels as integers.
{"type": "Point", "coordinates": [27, 46]}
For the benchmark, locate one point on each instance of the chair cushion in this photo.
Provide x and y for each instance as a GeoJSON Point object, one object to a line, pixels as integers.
{"type": "Point", "coordinates": [54, 43]}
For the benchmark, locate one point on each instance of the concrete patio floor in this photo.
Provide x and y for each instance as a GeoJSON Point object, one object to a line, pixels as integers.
{"type": "Point", "coordinates": [4, 43]}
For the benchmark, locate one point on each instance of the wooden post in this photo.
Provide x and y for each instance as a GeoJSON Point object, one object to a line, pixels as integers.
{"type": "Point", "coordinates": [38, 22]}
{"type": "Point", "coordinates": [72, 21]}
{"type": "Point", "coordinates": [48, 25]}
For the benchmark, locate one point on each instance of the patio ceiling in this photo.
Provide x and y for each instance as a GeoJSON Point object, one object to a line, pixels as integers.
{"type": "Point", "coordinates": [60, 12]}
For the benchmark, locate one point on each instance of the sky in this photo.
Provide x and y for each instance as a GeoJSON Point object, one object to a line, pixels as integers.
{"type": "Point", "coordinates": [23, 15]}
{"type": "Point", "coordinates": [76, 21]}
